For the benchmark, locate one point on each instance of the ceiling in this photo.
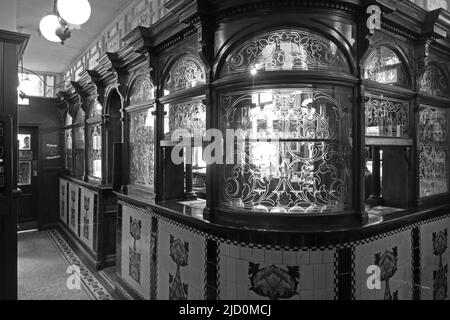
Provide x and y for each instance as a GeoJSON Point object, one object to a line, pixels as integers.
{"type": "Point", "coordinates": [45, 56]}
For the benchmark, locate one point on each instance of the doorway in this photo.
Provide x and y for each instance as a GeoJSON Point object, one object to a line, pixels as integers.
{"type": "Point", "coordinates": [28, 143]}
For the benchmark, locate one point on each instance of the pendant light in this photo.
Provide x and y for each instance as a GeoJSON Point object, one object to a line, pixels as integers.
{"type": "Point", "coordinates": [48, 26]}
{"type": "Point", "coordinates": [74, 12]}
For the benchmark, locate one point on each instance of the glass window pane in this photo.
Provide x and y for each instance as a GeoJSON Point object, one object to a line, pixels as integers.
{"type": "Point", "coordinates": [384, 66]}
{"type": "Point", "coordinates": [386, 117]}
{"type": "Point", "coordinates": [95, 151]}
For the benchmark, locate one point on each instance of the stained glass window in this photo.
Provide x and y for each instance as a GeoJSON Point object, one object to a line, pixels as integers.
{"type": "Point", "coordinates": [384, 66]}
{"type": "Point", "coordinates": [433, 151]}
{"type": "Point", "coordinates": [187, 72]}
{"type": "Point", "coordinates": [296, 154]}
{"type": "Point", "coordinates": [95, 151]}
{"type": "Point", "coordinates": [386, 117]}
{"type": "Point", "coordinates": [287, 50]}
{"type": "Point", "coordinates": [142, 148]}
{"type": "Point", "coordinates": [433, 82]}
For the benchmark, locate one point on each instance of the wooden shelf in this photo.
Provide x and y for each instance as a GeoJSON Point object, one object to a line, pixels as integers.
{"type": "Point", "coordinates": [388, 141]}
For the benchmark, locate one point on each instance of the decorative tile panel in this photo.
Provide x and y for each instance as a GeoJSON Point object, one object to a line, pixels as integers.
{"type": "Point", "coordinates": [87, 226]}
{"type": "Point", "coordinates": [435, 260]}
{"type": "Point", "coordinates": [181, 263]}
{"type": "Point", "coordinates": [73, 207]}
{"type": "Point", "coordinates": [392, 254]}
{"type": "Point", "coordinates": [63, 191]}
{"type": "Point", "coordinates": [247, 273]}
{"type": "Point", "coordinates": [135, 251]}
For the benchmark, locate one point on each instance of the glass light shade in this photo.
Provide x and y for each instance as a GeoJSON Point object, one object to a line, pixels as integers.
{"type": "Point", "coordinates": [74, 11]}
{"type": "Point", "coordinates": [48, 26]}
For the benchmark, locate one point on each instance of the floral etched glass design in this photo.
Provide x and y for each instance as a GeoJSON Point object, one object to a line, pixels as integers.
{"type": "Point", "coordinates": [304, 166]}
{"type": "Point", "coordinates": [384, 66]}
{"type": "Point", "coordinates": [287, 49]}
{"type": "Point", "coordinates": [386, 117]}
{"type": "Point", "coordinates": [68, 149]}
{"type": "Point", "coordinates": [433, 151]}
{"type": "Point", "coordinates": [79, 151]}
{"type": "Point", "coordinates": [190, 116]}
{"type": "Point", "coordinates": [187, 72]}
{"type": "Point", "coordinates": [142, 148]}
{"type": "Point", "coordinates": [95, 151]}
{"type": "Point", "coordinates": [142, 91]}
{"type": "Point", "coordinates": [433, 82]}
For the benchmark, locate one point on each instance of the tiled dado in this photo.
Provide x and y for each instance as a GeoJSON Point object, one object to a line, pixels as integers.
{"type": "Point", "coordinates": [435, 259]}
{"type": "Point", "coordinates": [392, 254]}
{"type": "Point", "coordinates": [247, 273]}
{"type": "Point", "coordinates": [135, 251]}
{"type": "Point", "coordinates": [87, 217]}
{"type": "Point", "coordinates": [181, 263]}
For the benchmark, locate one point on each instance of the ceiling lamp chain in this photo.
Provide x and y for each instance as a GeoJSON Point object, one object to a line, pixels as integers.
{"type": "Point", "coordinates": [55, 26]}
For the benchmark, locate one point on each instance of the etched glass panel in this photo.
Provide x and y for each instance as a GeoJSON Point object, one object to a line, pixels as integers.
{"type": "Point", "coordinates": [68, 120]}
{"type": "Point", "coordinates": [142, 91]}
{"type": "Point", "coordinates": [142, 148]}
{"type": "Point", "coordinates": [79, 145]}
{"type": "Point", "coordinates": [95, 151]}
{"type": "Point", "coordinates": [68, 149]}
{"type": "Point", "coordinates": [287, 50]}
{"type": "Point", "coordinates": [188, 72]}
{"type": "Point", "coordinates": [386, 117]}
{"type": "Point", "coordinates": [433, 151]}
{"type": "Point", "coordinates": [433, 82]}
{"type": "Point", "coordinates": [95, 109]}
{"type": "Point", "coordinates": [190, 116]}
{"type": "Point", "coordinates": [305, 167]}
{"type": "Point", "coordinates": [384, 66]}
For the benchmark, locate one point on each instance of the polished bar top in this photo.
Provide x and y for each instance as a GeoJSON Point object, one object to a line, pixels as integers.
{"type": "Point", "coordinates": [317, 231]}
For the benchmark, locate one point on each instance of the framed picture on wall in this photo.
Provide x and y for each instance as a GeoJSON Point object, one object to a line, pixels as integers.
{"type": "Point", "coordinates": [24, 141]}
{"type": "Point", "coordinates": [24, 173]}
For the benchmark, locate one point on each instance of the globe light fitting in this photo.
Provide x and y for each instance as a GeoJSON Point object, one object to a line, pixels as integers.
{"type": "Point", "coordinates": [48, 26]}
{"type": "Point", "coordinates": [74, 12]}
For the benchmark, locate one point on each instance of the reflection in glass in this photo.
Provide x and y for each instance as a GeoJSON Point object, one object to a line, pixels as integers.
{"type": "Point", "coordinates": [386, 117]}
{"type": "Point", "coordinates": [384, 66]}
{"type": "Point", "coordinates": [305, 170]}
{"type": "Point", "coordinates": [433, 82]}
{"type": "Point", "coordinates": [433, 149]}
{"type": "Point", "coordinates": [142, 148]}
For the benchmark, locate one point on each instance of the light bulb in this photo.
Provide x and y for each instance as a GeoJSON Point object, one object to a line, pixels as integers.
{"type": "Point", "coordinates": [48, 26]}
{"type": "Point", "coordinates": [74, 11]}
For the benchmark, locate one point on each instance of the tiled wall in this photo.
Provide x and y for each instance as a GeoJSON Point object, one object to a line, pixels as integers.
{"type": "Point", "coordinates": [243, 269]}
{"type": "Point", "coordinates": [73, 208]}
{"type": "Point", "coordinates": [87, 207]}
{"type": "Point", "coordinates": [181, 263]}
{"type": "Point", "coordinates": [413, 264]}
{"type": "Point", "coordinates": [135, 251]}
{"type": "Point", "coordinates": [63, 191]}
{"type": "Point", "coordinates": [392, 253]}
{"type": "Point", "coordinates": [435, 258]}
{"type": "Point", "coordinates": [137, 13]}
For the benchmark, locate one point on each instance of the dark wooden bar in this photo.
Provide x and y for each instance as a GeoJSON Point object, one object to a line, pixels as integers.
{"type": "Point", "coordinates": [358, 93]}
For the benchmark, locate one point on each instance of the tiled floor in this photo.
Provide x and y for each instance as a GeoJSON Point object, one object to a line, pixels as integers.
{"type": "Point", "coordinates": [42, 270]}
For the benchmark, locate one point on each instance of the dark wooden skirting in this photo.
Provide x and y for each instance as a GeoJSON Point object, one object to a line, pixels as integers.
{"type": "Point", "coordinates": [416, 263]}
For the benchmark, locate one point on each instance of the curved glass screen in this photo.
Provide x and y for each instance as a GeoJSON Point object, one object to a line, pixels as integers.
{"type": "Point", "coordinates": [292, 151]}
